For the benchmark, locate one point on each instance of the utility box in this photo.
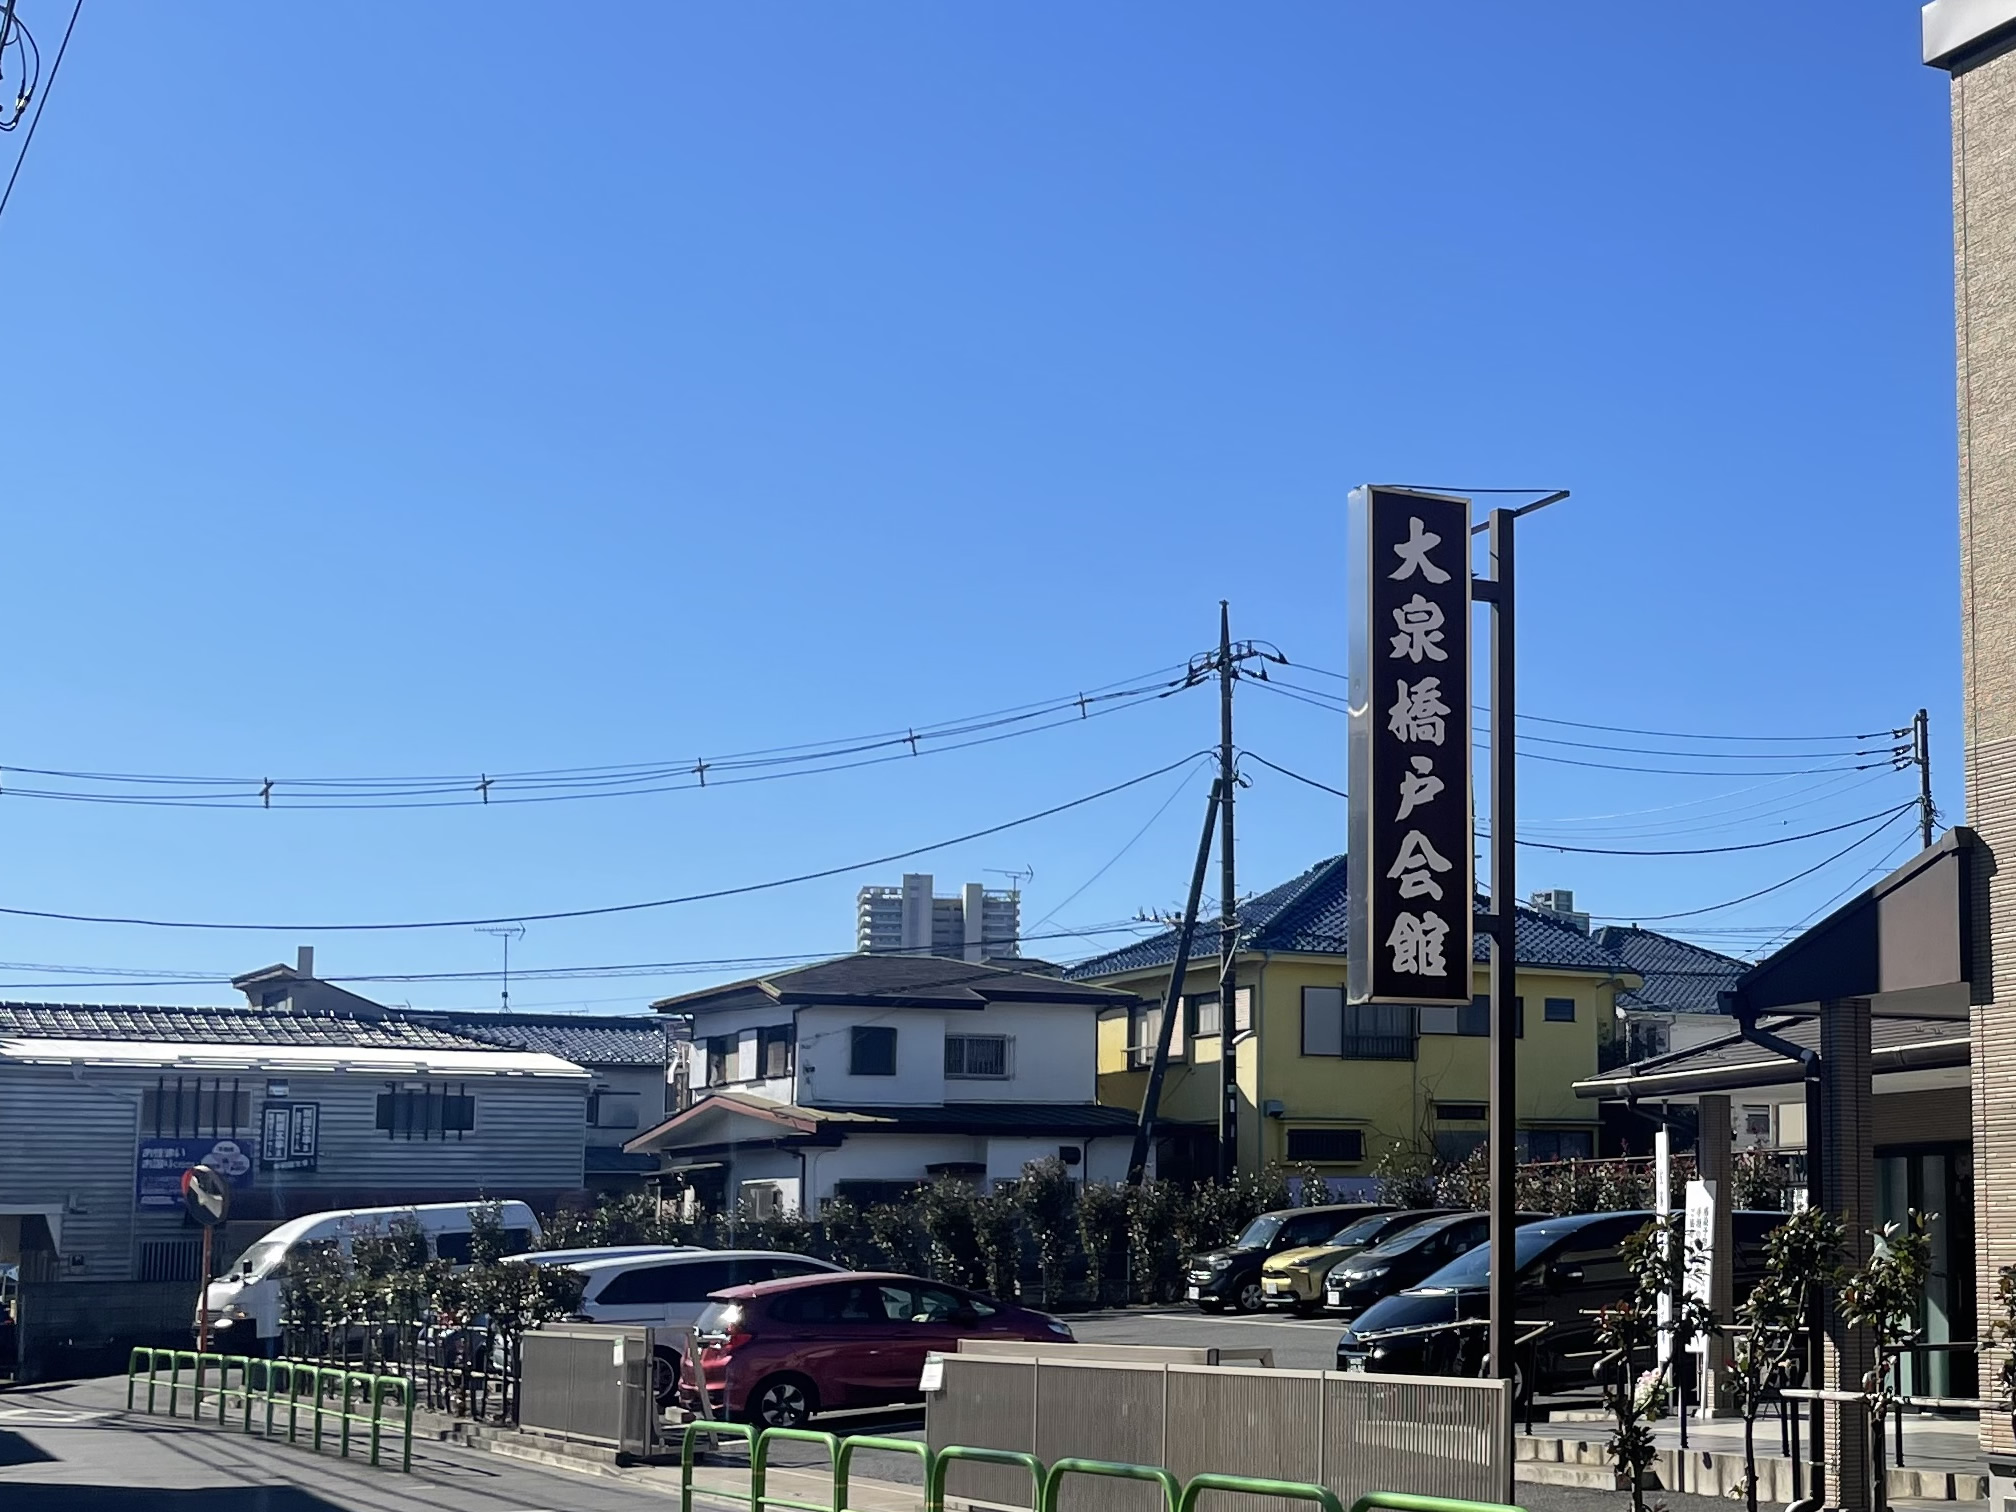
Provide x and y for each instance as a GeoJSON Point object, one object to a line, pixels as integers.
{"type": "Point", "coordinates": [589, 1383]}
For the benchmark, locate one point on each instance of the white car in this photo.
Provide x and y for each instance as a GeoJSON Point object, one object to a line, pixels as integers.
{"type": "Point", "coordinates": [669, 1288]}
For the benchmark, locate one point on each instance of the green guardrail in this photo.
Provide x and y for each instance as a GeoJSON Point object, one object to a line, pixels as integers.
{"type": "Point", "coordinates": [1045, 1482]}
{"type": "Point", "coordinates": [331, 1396]}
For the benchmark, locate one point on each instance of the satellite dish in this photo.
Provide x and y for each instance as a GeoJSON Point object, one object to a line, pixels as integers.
{"type": "Point", "coordinates": [206, 1195]}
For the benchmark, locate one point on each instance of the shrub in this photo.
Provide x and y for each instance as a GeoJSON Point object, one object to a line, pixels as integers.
{"type": "Point", "coordinates": [1102, 1231]}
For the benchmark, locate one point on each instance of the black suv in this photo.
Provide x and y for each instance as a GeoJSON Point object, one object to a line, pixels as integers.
{"type": "Point", "coordinates": [1409, 1257]}
{"type": "Point", "coordinates": [1230, 1277]}
{"type": "Point", "coordinates": [1568, 1267]}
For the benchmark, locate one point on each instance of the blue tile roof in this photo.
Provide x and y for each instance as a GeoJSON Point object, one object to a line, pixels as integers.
{"type": "Point", "coordinates": [587, 1039]}
{"type": "Point", "coordinates": [1307, 917]}
{"type": "Point", "coordinates": [1679, 977]}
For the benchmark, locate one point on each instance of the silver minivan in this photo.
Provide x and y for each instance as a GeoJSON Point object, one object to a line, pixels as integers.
{"type": "Point", "coordinates": [669, 1288]}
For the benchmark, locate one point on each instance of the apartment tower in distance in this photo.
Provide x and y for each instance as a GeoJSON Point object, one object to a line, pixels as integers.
{"type": "Point", "coordinates": [974, 924]}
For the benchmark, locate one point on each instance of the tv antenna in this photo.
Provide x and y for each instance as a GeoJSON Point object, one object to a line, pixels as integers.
{"type": "Point", "coordinates": [507, 933]}
{"type": "Point", "coordinates": [1020, 879]}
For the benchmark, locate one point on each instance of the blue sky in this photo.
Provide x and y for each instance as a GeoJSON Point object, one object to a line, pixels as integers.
{"type": "Point", "coordinates": [507, 388]}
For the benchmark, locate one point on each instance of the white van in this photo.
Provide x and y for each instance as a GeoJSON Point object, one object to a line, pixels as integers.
{"type": "Point", "coordinates": [249, 1297]}
{"type": "Point", "coordinates": [669, 1289]}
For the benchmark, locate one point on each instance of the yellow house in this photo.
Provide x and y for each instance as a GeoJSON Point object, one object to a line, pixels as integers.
{"type": "Point", "coordinates": [1323, 1082]}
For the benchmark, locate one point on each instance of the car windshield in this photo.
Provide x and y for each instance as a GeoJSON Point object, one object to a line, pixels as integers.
{"type": "Point", "coordinates": [1415, 1237]}
{"type": "Point", "coordinates": [718, 1317]}
{"type": "Point", "coordinates": [261, 1258]}
{"type": "Point", "coordinates": [1474, 1268]}
{"type": "Point", "coordinates": [1259, 1233]}
{"type": "Point", "coordinates": [1364, 1231]}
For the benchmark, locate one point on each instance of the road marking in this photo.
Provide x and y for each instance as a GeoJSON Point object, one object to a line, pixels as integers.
{"type": "Point", "coordinates": [52, 1416]}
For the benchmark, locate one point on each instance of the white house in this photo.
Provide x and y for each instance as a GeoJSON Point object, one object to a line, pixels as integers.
{"type": "Point", "coordinates": [864, 1075]}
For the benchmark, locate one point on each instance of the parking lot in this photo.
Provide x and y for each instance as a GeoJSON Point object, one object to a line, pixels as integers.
{"type": "Point", "coordinates": [1298, 1344]}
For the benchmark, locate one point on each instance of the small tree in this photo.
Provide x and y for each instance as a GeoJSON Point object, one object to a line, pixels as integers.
{"type": "Point", "coordinates": [844, 1235]}
{"type": "Point", "coordinates": [1154, 1254]}
{"type": "Point", "coordinates": [893, 1231]}
{"type": "Point", "coordinates": [1102, 1231]}
{"type": "Point", "coordinates": [1403, 1178]}
{"type": "Point", "coordinates": [1046, 1195]}
{"type": "Point", "coordinates": [946, 1212]}
{"type": "Point", "coordinates": [1884, 1296]}
{"type": "Point", "coordinates": [1635, 1382]}
{"type": "Point", "coordinates": [998, 1224]}
{"type": "Point", "coordinates": [2000, 1334]}
{"type": "Point", "coordinates": [1801, 1257]}
{"type": "Point", "coordinates": [1312, 1188]}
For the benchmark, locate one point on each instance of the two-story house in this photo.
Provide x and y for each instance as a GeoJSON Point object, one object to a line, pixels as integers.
{"type": "Point", "coordinates": [868, 1074]}
{"type": "Point", "coordinates": [1333, 1084]}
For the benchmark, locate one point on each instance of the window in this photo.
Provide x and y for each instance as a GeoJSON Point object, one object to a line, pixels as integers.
{"type": "Point", "coordinates": [1337, 1146]}
{"type": "Point", "coordinates": [976, 1057]}
{"type": "Point", "coordinates": [1457, 1145]}
{"type": "Point", "coordinates": [872, 1051]}
{"type": "Point", "coordinates": [658, 1285]}
{"type": "Point", "coordinates": [612, 1110]}
{"type": "Point", "coordinates": [1473, 1019]}
{"type": "Point", "coordinates": [1204, 1016]}
{"type": "Point", "coordinates": [458, 1247]}
{"type": "Point", "coordinates": [1378, 1031]}
{"type": "Point", "coordinates": [935, 1304]}
{"type": "Point", "coordinates": [1455, 1112]}
{"type": "Point", "coordinates": [721, 1054]}
{"type": "Point", "coordinates": [1242, 1011]}
{"type": "Point", "coordinates": [1322, 1020]}
{"type": "Point", "coordinates": [1309, 1228]}
{"type": "Point", "coordinates": [1556, 1144]}
{"type": "Point", "coordinates": [425, 1113]}
{"type": "Point", "coordinates": [193, 1107]}
{"type": "Point", "coordinates": [776, 1050]}
{"type": "Point", "coordinates": [1559, 1010]}
{"type": "Point", "coordinates": [1147, 1028]}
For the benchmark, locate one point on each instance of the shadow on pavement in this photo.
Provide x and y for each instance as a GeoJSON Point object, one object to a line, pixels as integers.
{"type": "Point", "coordinates": [30, 1496]}
{"type": "Point", "coordinates": [16, 1450]}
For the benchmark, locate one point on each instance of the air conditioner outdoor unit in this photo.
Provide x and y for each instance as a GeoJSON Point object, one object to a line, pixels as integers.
{"type": "Point", "coordinates": [765, 1199]}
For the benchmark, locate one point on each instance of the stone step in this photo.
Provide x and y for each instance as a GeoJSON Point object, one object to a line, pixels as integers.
{"type": "Point", "coordinates": [1584, 1462]}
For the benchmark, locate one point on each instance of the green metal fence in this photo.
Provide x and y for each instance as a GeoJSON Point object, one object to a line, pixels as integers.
{"type": "Point", "coordinates": [327, 1396]}
{"type": "Point", "coordinates": [1045, 1482]}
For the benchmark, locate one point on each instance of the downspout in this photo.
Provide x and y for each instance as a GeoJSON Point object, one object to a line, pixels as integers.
{"type": "Point", "coordinates": [1810, 1068]}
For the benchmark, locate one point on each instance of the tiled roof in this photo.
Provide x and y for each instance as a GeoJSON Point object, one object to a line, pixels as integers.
{"type": "Point", "coordinates": [1733, 1062]}
{"type": "Point", "coordinates": [601, 1039]}
{"type": "Point", "coordinates": [1679, 977]}
{"type": "Point", "coordinates": [891, 981]}
{"type": "Point", "coordinates": [221, 1026]}
{"type": "Point", "coordinates": [1307, 917]}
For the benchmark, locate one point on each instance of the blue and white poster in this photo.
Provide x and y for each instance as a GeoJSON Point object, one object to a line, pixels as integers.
{"type": "Point", "coordinates": [158, 1183]}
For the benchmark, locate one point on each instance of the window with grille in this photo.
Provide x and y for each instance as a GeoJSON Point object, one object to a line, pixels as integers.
{"type": "Point", "coordinates": [1559, 1010]}
{"type": "Point", "coordinates": [976, 1057]}
{"type": "Point", "coordinates": [1455, 1112]}
{"type": "Point", "coordinates": [1333, 1146]}
{"type": "Point", "coordinates": [425, 1113]}
{"type": "Point", "coordinates": [195, 1107]}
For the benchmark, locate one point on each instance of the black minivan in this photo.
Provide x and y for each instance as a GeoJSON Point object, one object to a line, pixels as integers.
{"type": "Point", "coordinates": [1230, 1277]}
{"type": "Point", "coordinates": [1568, 1268]}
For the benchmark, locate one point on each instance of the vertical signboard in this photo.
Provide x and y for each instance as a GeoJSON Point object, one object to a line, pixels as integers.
{"type": "Point", "coordinates": [1412, 875]}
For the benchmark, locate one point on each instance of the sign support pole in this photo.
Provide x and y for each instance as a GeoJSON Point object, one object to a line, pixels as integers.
{"type": "Point", "coordinates": [203, 1297]}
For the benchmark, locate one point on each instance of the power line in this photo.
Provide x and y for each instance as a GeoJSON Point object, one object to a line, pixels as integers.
{"type": "Point", "coordinates": [576, 783]}
{"type": "Point", "coordinates": [1576, 724]}
{"type": "Point", "coordinates": [1762, 891]}
{"type": "Point", "coordinates": [1597, 850]}
{"type": "Point", "coordinates": [28, 140]}
{"type": "Point", "coordinates": [1317, 700]}
{"type": "Point", "coordinates": [613, 908]}
{"type": "Point", "coordinates": [1113, 860]}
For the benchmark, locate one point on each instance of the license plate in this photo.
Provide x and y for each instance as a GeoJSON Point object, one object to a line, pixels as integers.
{"type": "Point", "coordinates": [1275, 1288]}
{"type": "Point", "coordinates": [1195, 1292]}
{"type": "Point", "coordinates": [1354, 1364]}
{"type": "Point", "coordinates": [1333, 1299]}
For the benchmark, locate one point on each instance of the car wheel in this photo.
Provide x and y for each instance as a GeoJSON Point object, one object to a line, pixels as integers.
{"type": "Point", "coordinates": [665, 1376]}
{"type": "Point", "coordinates": [782, 1401]}
{"type": "Point", "coordinates": [1251, 1297]}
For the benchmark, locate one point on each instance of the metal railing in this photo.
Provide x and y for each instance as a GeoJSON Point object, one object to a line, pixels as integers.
{"type": "Point", "coordinates": [1046, 1482]}
{"type": "Point", "coordinates": [328, 1393]}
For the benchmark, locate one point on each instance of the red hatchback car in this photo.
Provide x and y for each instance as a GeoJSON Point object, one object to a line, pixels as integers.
{"type": "Point", "coordinates": [775, 1352]}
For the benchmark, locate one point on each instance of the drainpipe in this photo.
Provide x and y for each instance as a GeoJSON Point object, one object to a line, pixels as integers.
{"type": "Point", "coordinates": [1809, 1066]}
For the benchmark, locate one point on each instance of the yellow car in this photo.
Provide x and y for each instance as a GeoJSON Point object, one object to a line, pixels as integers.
{"type": "Point", "coordinates": [1294, 1278]}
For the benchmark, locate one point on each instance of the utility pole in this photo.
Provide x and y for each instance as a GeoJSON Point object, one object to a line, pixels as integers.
{"type": "Point", "coordinates": [1172, 1002]}
{"type": "Point", "coordinates": [1228, 910]}
{"type": "Point", "coordinates": [1921, 753]}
